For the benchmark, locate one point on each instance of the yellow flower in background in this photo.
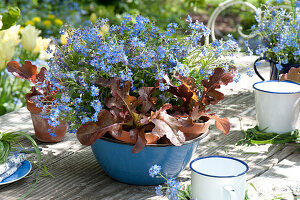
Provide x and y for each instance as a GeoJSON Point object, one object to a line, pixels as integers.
{"type": "Point", "coordinates": [29, 37]}
{"type": "Point", "coordinates": [36, 19]}
{"type": "Point", "coordinates": [93, 18]}
{"type": "Point", "coordinates": [63, 39]}
{"type": "Point", "coordinates": [58, 22]}
{"type": "Point", "coordinates": [47, 23]}
{"type": "Point", "coordinates": [1, 24]}
{"type": "Point", "coordinates": [20, 30]}
{"type": "Point", "coordinates": [51, 16]}
{"type": "Point", "coordinates": [29, 22]}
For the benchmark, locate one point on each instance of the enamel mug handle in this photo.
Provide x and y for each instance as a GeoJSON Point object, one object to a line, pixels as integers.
{"type": "Point", "coordinates": [231, 192]}
{"type": "Point", "coordinates": [255, 67]}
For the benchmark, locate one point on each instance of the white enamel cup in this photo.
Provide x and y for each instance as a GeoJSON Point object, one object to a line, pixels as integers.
{"type": "Point", "coordinates": [277, 105]}
{"type": "Point", "coordinates": [218, 178]}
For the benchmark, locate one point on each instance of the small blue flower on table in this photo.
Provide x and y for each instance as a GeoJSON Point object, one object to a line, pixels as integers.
{"type": "Point", "coordinates": [172, 188]}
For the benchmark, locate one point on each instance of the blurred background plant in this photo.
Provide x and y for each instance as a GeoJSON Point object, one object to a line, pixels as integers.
{"type": "Point", "coordinates": [42, 19]}
{"type": "Point", "coordinates": [47, 15]}
{"type": "Point", "coordinates": [17, 43]}
{"type": "Point", "coordinates": [49, 25]}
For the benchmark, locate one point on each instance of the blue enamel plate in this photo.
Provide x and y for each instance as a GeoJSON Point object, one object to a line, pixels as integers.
{"type": "Point", "coordinates": [22, 171]}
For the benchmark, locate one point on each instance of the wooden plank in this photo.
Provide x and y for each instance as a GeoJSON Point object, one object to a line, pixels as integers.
{"type": "Point", "coordinates": [78, 176]}
{"type": "Point", "coordinates": [18, 120]}
{"type": "Point", "coordinates": [282, 180]}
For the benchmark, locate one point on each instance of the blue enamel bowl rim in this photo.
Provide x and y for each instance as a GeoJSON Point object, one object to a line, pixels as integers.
{"type": "Point", "coordinates": [275, 92]}
{"type": "Point", "coordinates": [227, 157]}
{"type": "Point", "coordinates": [203, 135]}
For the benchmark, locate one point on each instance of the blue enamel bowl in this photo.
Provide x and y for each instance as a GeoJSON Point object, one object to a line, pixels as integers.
{"type": "Point", "coordinates": [117, 160]}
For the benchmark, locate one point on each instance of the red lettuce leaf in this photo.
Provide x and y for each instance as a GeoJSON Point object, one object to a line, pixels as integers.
{"type": "Point", "coordinates": [210, 95]}
{"type": "Point", "coordinates": [141, 141]}
{"type": "Point", "coordinates": [162, 109]}
{"type": "Point", "coordinates": [187, 91]}
{"type": "Point", "coordinates": [27, 71]}
{"type": "Point", "coordinates": [121, 99]}
{"type": "Point", "coordinates": [292, 75]}
{"type": "Point", "coordinates": [34, 92]}
{"type": "Point", "coordinates": [222, 124]}
{"type": "Point", "coordinates": [147, 101]}
{"type": "Point", "coordinates": [89, 132]}
{"type": "Point", "coordinates": [40, 77]}
{"type": "Point", "coordinates": [124, 109]}
{"type": "Point", "coordinates": [166, 125]}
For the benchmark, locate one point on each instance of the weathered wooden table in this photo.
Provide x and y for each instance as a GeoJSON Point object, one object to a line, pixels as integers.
{"type": "Point", "coordinates": [274, 169]}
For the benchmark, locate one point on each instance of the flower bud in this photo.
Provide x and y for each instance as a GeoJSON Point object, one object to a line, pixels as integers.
{"type": "Point", "coordinates": [29, 37]}
{"type": "Point", "coordinates": [93, 18]}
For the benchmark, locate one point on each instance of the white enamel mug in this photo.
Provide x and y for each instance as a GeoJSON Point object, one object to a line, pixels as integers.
{"type": "Point", "coordinates": [218, 178]}
{"type": "Point", "coordinates": [277, 105]}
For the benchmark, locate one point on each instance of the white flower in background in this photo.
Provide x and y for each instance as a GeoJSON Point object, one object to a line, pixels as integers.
{"type": "Point", "coordinates": [29, 37]}
{"type": "Point", "coordinates": [8, 41]}
{"type": "Point", "coordinates": [7, 50]}
{"type": "Point", "coordinates": [1, 24]}
{"type": "Point", "coordinates": [46, 56]}
{"type": "Point", "coordinates": [41, 44]}
{"type": "Point", "coordinates": [11, 34]}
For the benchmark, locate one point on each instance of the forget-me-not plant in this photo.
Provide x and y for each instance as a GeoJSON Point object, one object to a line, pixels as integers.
{"type": "Point", "coordinates": [135, 51]}
{"type": "Point", "coordinates": [279, 31]}
{"type": "Point", "coordinates": [172, 188]}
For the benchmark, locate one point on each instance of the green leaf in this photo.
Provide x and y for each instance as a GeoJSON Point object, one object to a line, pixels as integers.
{"type": "Point", "coordinates": [35, 146]}
{"type": "Point", "coordinates": [10, 17]}
{"type": "Point", "coordinates": [5, 148]}
{"type": "Point", "coordinates": [185, 193]}
{"type": "Point", "coordinates": [256, 136]}
{"type": "Point", "coordinates": [2, 110]}
{"type": "Point", "coordinates": [46, 172]}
